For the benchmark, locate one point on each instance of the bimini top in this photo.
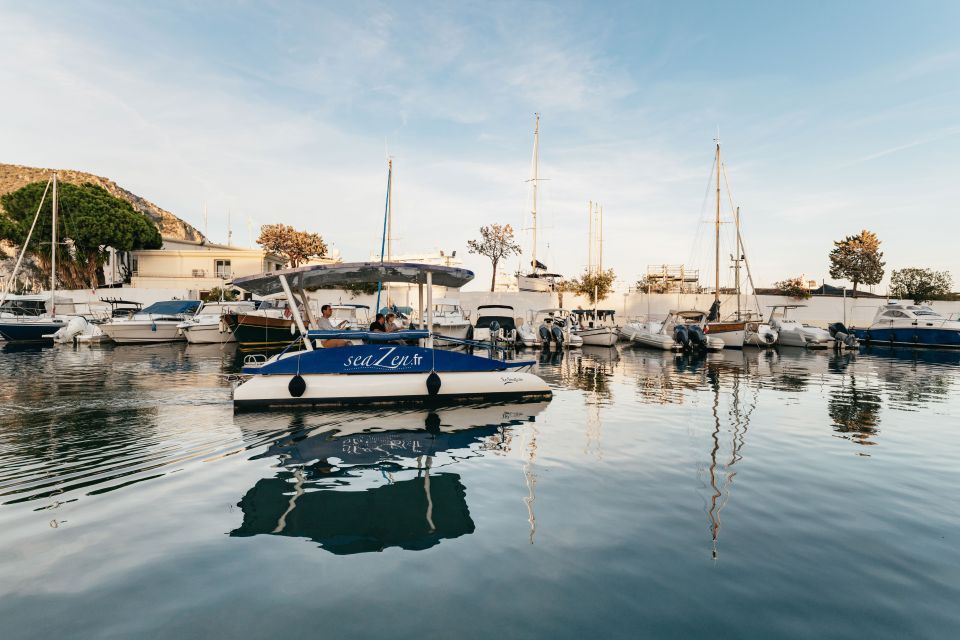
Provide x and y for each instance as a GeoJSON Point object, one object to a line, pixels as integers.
{"type": "Point", "coordinates": [316, 276]}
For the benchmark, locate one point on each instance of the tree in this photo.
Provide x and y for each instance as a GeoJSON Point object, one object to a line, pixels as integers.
{"type": "Point", "coordinates": [653, 285]}
{"type": "Point", "coordinates": [920, 285]}
{"type": "Point", "coordinates": [595, 285]}
{"type": "Point", "coordinates": [496, 243]}
{"type": "Point", "coordinates": [793, 288]}
{"type": "Point", "coordinates": [90, 222]}
{"type": "Point", "coordinates": [217, 293]}
{"type": "Point", "coordinates": [857, 259]}
{"type": "Point", "coordinates": [296, 246]}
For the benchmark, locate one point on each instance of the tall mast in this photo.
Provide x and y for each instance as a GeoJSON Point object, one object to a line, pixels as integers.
{"type": "Point", "coordinates": [535, 181]}
{"type": "Point", "coordinates": [53, 253]}
{"type": "Point", "coordinates": [390, 210]}
{"type": "Point", "coordinates": [716, 290]}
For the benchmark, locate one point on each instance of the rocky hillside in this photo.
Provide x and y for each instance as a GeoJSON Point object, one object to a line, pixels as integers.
{"type": "Point", "coordinates": [13, 176]}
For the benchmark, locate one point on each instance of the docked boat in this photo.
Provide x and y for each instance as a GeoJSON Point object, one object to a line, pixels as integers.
{"type": "Point", "coordinates": [689, 331]}
{"type": "Point", "coordinates": [448, 319]}
{"type": "Point", "coordinates": [267, 328]}
{"type": "Point", "coordinates": [538, 278]}
{"type": "Point", "coordinates": [495, 323]}
{"type": "Point", "coordinates": [595, 327]}
{"type": "Point", "coordinates": [792, 333]}
{"type": "Point", "coordinates": [913, 325]}
{"type": "Point", "coordinates": [759, 334]}
{"type": "Point", "coordinates": [28, 327]}
{"type": "Point", "coordinates": [376, 371]}
{"type": "Point", "coordinates": [158, 322]}
{"type": "Point", "coordinates": [549, 327]}
{"type": "Point", "coordinates": [207, 326]}
{"type": "Point", "coordinates": [649, 334]}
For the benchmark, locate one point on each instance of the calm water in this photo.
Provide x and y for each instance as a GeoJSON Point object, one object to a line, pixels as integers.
{"type": "Point", "coordinates": [741, 495]}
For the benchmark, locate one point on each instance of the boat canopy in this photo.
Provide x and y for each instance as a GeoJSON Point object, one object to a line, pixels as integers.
{"type": "Point", "coordinates": [317, 276]}
{"type": "Point", "coordinates": [171, 307]}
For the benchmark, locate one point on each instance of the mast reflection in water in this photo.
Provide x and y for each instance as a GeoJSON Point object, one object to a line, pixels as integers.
{"type": "Point", "coordinates": [370, 481]}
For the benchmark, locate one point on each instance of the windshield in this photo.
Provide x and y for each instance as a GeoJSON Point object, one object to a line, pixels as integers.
{"type": "Point", "coordinates": [24, 307]}
{"type": "Point", "coordinates": [505, 322]}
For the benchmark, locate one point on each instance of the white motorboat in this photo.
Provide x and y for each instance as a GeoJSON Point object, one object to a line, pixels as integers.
{"type": "Point", "coordinates": [595, 327]}
{"type": "Point", "coordinates": [207, 326]}
{"type": "Point", "coordinates": [649, 334]}
{"type": "Point", "coordinates": [550, 327]}
{"type": "Point", "coordinates": [379, 370]}
{"type": "Point", "coordinates": [759, 334]}
{"type": "Point", "coordinates": [495, 323]}
{"type": "Point", "coordinates": [159, 322]}
{"type": "Point", "coordinates": [688, 330]}
{"type": "Point", "coordinates": [914, 325]}
{"type": "Point", "coordinates": [448, 319]}
{"type": "Point", "coordinates": [792, 333]}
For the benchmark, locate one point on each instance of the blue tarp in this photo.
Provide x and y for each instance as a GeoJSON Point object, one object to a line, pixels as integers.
{"type": "Point", "coordinates": [172, 307]}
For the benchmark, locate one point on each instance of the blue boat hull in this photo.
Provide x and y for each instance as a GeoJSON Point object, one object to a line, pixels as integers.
{"type": "Point", "coordinates": [29, 331]}
{"type": "Point", "coordinates": [911, 336]}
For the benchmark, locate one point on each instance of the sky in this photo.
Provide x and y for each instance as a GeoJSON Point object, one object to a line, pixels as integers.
{"type": "Point", "coordinates": [833, 117]}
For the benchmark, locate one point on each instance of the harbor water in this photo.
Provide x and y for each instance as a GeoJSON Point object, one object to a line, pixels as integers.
{"type": "Point", "coordinates": [754, 494]}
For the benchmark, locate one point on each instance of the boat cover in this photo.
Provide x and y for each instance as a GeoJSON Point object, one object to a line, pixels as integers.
{"type": "Point", "coordinates": [171, 307]}
{"type": "Point", "coordinates": [318, 276]}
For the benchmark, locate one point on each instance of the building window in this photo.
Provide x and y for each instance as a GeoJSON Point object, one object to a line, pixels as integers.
{"type": "Point", "coordinates": [222, 268]}
{"type": "Point", "coordinates": [135, 265]}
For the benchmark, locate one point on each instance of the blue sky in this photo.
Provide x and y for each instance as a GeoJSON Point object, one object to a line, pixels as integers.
{"type": "Point", "coordinates": [833, 116]}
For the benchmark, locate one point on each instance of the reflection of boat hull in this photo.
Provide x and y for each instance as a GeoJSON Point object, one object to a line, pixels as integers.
{"type": "Point", "coordinates": [258, 331]}
{"type": "Point", "coordinates": [341, 389]}
{"type": "Point", "coordinates": [598, 337]}
{"type": "Point", "coordinates": [911, 337]}
{"type": "Point", "coordinates": [141, 331]}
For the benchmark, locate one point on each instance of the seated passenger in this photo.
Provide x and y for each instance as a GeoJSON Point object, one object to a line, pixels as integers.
{"type": "Point", "coordinates": [379, 325]}
{"type": "Point", "coordinates": [391, 323]}
{"type": "Point", "coordinates": [325, 324]}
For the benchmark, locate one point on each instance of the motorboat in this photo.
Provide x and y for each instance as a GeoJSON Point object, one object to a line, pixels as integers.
{"type": "Point", "coordinates": [792, 333]}
{"type": "Point", "coordinates": [449, 320]}
{"type": "Point", "coordinates": [899, 323]}
{"type": "Point", "coordinates": [267, 328]}
{"type": "Point", "coordinates": [207, 326]}
{"type": "Point", "coordinates": [649, 334]}
{"type": "Point", "coordinates": [551, 327]}
{"type": "Point", "coordinates": [688, 330]}
{"type": "Point", "coordinates": [158, 322]}
{"type": "Point", "coordinates": [759, 334]}
{"type": "Point", "coordinates": [595, 327]}
{"type": "Point", "coordinates": [378, 370]}
{"type": "Point", "coordinates": [495, 323]}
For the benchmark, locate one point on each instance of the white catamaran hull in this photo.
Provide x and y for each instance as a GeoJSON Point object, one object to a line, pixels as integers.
{"type": "Point", "coordinates": [335, 389]}
{"type": "Point", "coordinates": [143, 331]}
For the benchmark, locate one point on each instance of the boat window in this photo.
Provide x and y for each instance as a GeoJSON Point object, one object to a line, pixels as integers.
{"type": "Point", "coordinates": [927, 312]}
{"type": "Point", "coordinates": [893, 313]}
{"type": "Point", "coordinates": [506, 323]}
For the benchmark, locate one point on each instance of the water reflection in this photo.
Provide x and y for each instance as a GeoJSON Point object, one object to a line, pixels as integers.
{"type": "Point", "coordinates": [360, 482]}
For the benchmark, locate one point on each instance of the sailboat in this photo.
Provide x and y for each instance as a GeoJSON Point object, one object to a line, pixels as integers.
{"type": "Point", "coordinates": [538, 279]}
{"type": "Point", "coordinates": [596, 326]}
{"type": "Point", "coordinates": [37, 328]}
{"type": "Point", "coordinates": [730, 331]}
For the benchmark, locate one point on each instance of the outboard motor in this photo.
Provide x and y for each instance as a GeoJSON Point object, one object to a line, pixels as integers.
{"type": "Point", "coordinates": [544, 334]}
{"type": "Point", "coordinates": [557, 335]}
{"type": "Point", "coordinates": [494, 330]}
{"type": "Point", "coordinates": [842, 337]}
{"type": "Point", "coordinates": [698, 339]}
{"type": "Point", "coordinates": [682, 336]}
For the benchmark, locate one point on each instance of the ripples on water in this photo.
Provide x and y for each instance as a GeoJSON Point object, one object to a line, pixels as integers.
{"type": "Point", "coordinates": [741, 494]}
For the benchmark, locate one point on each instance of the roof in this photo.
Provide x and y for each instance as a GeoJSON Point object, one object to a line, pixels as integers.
{"type": "Point", "coordinates": [316, 276]}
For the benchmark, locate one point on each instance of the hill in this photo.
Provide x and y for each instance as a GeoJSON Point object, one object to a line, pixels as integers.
{"type": "Point", "coordinates": [14, 176]}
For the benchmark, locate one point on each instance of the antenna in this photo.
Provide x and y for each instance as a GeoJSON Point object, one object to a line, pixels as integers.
{"type": "Point", "coordinates": [229, 230]}
{"type": "Point", "coordinates": [205, 220]}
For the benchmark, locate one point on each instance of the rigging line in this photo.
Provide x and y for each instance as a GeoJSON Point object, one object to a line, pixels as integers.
{"type": "Point", "coordinates": [23, 249]}
{"type": "Point", "coordinates": [703, 208]}
{"type": "Point", "coordinates": [743, 248]}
